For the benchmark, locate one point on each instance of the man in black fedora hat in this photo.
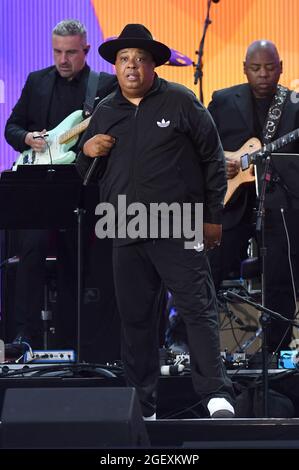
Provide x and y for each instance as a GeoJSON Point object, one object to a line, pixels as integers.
{"type": "Point", "coordinates": [159, 145]}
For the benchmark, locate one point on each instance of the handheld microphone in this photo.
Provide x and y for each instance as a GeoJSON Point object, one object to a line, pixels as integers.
{"type": "Point", "coordinates": [94, 164]}
{"type": "Point", "coordinates": [172, 370]}
{"type": "Point", "coordinates": [90, 171]}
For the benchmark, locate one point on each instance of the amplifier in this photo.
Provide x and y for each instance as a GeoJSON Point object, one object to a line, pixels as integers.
{"type": "Point", "coordinates": [22, 370]}
{"type": "Point", "coordinates": [49, 356]}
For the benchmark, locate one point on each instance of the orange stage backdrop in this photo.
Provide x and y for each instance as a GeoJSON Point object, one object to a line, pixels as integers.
{"type": "Point", "coordinates": [235, 23]}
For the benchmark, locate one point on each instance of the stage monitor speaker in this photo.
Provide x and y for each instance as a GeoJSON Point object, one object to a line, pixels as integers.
{"type": "Point", "coordinates": [254, 433]}
{"type": "Point", "coordinates": [68, 418]}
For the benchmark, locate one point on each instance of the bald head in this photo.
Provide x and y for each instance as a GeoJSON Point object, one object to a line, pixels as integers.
{"type": "Point", "coordinates": [262, 45]}
{"type": "Point", "coordinates": [262, 67]}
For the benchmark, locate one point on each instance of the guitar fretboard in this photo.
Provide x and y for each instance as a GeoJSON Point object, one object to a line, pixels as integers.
{"type": "Point", "coordinates": [275, 145]}
{"type": "Point", "coordinates": [68, 135]}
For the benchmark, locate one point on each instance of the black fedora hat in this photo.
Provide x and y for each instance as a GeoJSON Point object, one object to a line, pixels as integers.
{"type": "Point", "coordinates": [136, 36]}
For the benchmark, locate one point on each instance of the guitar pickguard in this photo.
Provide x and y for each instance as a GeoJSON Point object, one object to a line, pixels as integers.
{"type": "Point", "coordinates": [56, 152]}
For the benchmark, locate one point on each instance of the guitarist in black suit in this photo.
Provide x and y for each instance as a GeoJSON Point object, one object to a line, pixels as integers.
{"type": "Point", "coordinates": [262, 109]}
{"type": "Point", "coordinates": [48, 97]}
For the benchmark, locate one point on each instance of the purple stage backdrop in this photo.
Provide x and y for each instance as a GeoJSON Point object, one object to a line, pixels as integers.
{"type": "Point", "coordinates": [25, 29]}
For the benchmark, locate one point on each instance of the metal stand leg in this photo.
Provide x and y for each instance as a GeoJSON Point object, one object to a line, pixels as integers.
{"type": "Point", "coordinates": [46, 316]}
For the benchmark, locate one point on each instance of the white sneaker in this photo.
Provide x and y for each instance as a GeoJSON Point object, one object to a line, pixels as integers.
{"type": "Point", "coordinates": [220, 408]}
{"type": "Point", "coordinates": [150, 418]}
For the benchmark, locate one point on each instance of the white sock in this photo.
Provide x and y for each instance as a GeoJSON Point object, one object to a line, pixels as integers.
{"type": "Point", "coordinates": [150, 418]}
{"type": "Point", "coordinates": [219, 403]}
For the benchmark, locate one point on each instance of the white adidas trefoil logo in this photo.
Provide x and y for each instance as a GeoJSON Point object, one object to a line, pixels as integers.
{"type": "Point", "coordinates": [163, 123]}
{"type": "Point", "coordinates": [199, 247]}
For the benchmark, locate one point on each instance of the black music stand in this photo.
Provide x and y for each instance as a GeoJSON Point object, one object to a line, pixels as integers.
{"type": "Point", "coordinates": [283, 189]}
{"type": "Point", "coordinates": [48, 197]}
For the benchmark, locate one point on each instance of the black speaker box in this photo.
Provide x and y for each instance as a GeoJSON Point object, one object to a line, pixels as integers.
{"type": "Point", "coordinates": [69, 418]}
{"type": "Point", "coordinates": [237, 433]}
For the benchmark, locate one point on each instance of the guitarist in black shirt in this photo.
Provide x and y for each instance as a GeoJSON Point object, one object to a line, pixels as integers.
{"type": "Point", "coordinates": [264, 110]}
{"type": "Point", "coordinates": [49, 96]}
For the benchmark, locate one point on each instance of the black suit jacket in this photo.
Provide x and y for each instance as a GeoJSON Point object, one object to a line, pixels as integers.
{"type": "Point", "coordinates": [232, 111]}
{"type": "Point", "coordinates": [31, 111]}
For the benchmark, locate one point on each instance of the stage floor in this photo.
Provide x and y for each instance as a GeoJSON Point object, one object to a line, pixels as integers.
{"type": "Point", "coordinates": [181, 420]}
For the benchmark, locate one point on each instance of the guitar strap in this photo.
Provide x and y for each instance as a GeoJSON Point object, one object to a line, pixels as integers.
{"type": "Point", "coordinates": [91, 91]}
{"type": "Point", "coordinates": [269, 130]}
{"type": "Point", "coordinates": [274, 114]}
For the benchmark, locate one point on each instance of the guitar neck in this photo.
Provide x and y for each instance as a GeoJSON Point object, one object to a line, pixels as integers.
{"type": "Point", "coordinates": [68, 135]}
{"type": "Point", "coordinates": [275, 145]}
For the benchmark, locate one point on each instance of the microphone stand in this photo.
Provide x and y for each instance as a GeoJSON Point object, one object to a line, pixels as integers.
{"type": "Point", "coordinates": [80, 213]}
{"type": "Point", "coordinates": [265, 318]}
{"type": "Point", "coordinates": [264, 321]}
{"type": "Point", "coordinates": [260, 218]}
{"type": "Point", "coordinates": [198, 74]}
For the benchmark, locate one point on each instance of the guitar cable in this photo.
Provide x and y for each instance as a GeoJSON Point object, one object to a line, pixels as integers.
{"type": "Point", "coordinates": [47, 144]}
{"type": "Point", "coordinates": [290, 260]}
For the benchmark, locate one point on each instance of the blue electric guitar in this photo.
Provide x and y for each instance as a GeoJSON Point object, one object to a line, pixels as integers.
{"type": "Point", "coordinates": [59, 141]}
